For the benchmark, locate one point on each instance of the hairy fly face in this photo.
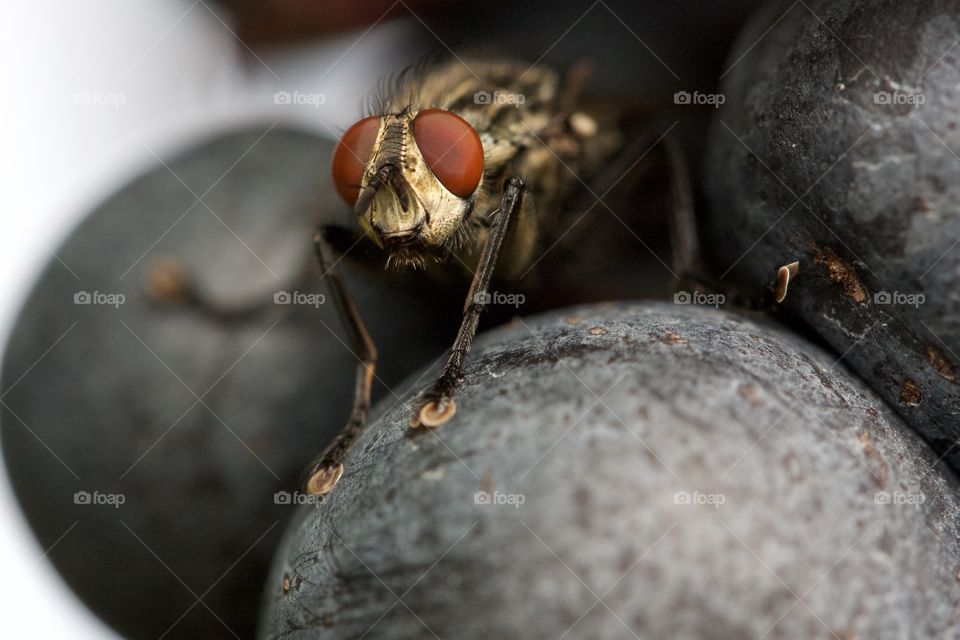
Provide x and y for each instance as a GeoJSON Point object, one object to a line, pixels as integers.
{"type": "Point", "coordinates": [411, 178]}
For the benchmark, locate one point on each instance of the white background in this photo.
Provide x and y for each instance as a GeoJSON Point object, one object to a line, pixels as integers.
{"type": "Point", "coordinates": [181, 74]}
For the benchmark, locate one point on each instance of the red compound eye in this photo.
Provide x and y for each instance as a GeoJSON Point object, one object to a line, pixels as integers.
{"type": "Point", "coordinates": [351, 156]}
{"type": "Point", "coordinates": [451, 148]}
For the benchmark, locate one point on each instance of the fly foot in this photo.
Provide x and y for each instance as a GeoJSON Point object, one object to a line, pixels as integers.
{"type": "Point", "coordinates": [434, 411]}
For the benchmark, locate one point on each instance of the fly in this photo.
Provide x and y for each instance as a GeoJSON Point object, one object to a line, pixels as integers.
{"type": "Point", "coordinates": [464, 166]}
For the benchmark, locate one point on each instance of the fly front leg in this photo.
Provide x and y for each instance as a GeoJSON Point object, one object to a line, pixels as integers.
{"type": "Point", "coordinates": [436, 405]}
{"type": "Point", "coordinates": [325, 470]}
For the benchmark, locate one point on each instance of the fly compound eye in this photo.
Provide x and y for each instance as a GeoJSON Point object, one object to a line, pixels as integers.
{"type": "Point", "coordinates": [451, 148]}
{"type": "Point", "coordinates": [351, 157]}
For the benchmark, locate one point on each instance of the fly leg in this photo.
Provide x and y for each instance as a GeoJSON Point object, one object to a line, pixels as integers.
{"type": "Point", "coordinates": [684, 241]}
{"type": "Point", "coordinates": [323, 473]}
{"type": "Point", "coordinates": [685, 245]}
{"type": "Point", "coordinates": [169, 283]}
{"type": "Point", "coordinates": [436, 405]}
